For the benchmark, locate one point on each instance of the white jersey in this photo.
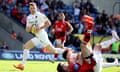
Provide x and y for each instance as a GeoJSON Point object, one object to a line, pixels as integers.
{"type": "Point", "coordinates": [38, 19]}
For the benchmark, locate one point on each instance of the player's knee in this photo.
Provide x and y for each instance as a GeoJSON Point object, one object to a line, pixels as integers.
{"type": "Point", "coordinates": [60, 46]}
{"type": "Point", "coordinates": [97, 47]}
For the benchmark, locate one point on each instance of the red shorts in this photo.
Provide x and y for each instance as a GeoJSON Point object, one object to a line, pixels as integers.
{"type": "Point", "coordinates": [61, 40]}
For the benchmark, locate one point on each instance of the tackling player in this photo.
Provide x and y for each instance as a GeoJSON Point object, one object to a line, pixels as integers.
{"type": "Point", "coordinates": [77, 63]}
{"type": "Point", "coordinates": [87, 60]}
{"type": "Point", "coordinates": [36, 23]}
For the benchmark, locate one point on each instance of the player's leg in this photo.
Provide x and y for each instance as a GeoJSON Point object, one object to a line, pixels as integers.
{"type": "Point", "coordinates": [59, 44]}
{"type": "Point", "coordinates": [27, 46]}
{"type": "Point", "coordinates": [98, 58]}
{"type": "Point", "coordinates": [45, 42]}
{"type": "Point", "coordinates": [54, 50]}
{"type": "Point", "coordinates": [98, 55]}
{"type": "Point", "coordinates": [85, 45]}
{"type": "Point", "coordinates": [106, 65]}
{"type": "Point", "coordinates": [114, 38]}
{"type": "Point", "coordinates": [115, 63]}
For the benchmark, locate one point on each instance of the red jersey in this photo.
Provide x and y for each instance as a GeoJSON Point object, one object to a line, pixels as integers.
{"type": "Point", "coordinates": [85, 67]}
{"type": "Point", "coordinates": [60, 28]}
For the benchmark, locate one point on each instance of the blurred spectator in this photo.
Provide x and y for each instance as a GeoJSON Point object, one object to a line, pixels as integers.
{"type": "Point", "coordinates": [23, 20]}
{"type": "Point", "coordinates": [60, 4]}
{"type": "Point", "coordinates": [76, 11]}
{"type": "Point", "coordinates": [81, 27]}
{"type": "Point", "coordinates": [1, 5]}
{"type": "Point", "coordinates": [82, 4]}
{"type": "Point", "coordinates": [99, 20]}
{"type": "Point", "coordinates": [104, 17]}
{"type": "Point", "coordinates": [13, 34]}
{"type": "Point", "coordinates": [89, 4]}
{"type": "Point", "coordinates": [67, 15]}
{"type": "Point", "coordinates": [25, 2]}
{"type": "Point", "coordinates": [44, 7]}
{"type": "Point", "coordinates": [53, 4]}
{"type": "Point", "coordinates": [76, 3]}
{"type": "Point", "coordinates": [19, 1]}
{"type": "Point", "coordinates": [52, 16]}
{"type": "Point", "coordinates": [48, 2]}
{"type": "Point", "coordinates": [4, 6]}
{"type": "Point", "coordinates": [10, 2]}
{"type": "Point", "coordinates": [82, 12]}
{"type": "Point", "coordinates": [4, 46]}
{"type": "Point", "coordinates": [14, 12]}
{"type": "Point", "coordinates": [115, 47]}
{"type": "Point", "coordinates": [72, 20]}
{"type": "Point", "coordinates": [1, 1]}
{"type": "Point", "coordinates": [20, 37]}
{"type": "Point", "coordinates": [77, 43]}
{"type": "Point", "coordinates": [90, 7]}
{"type": "Point", "coordinates": [20, 12]}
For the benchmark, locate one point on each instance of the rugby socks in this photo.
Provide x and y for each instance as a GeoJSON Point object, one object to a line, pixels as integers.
{"type": "Point", "coordinates": [107, 43]}
{"type": "Point", "coordinates": [56, 56]}
{"type": "Point", "coordinates": [59, 50]}
{"type": "Point", "coordinates": [25, 56]}
{"type": "Point", "coordinates": [89, 23]}
{"type": "Point", "coordinates": [105, 65]}
{"type": "Point", "coordinates": [87, 36]}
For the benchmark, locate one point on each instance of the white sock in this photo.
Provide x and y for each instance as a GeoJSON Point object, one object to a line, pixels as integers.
{"type": "Point", "coordinates": [25, 56]}
{"type": "Point", "coordinates": [59, 50]}
{"type": "Point", "coordinates": [109, 65]}
{"type": "Point", "coordinates": [107, 43]}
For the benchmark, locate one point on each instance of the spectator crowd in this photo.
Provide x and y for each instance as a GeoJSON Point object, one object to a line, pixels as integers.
{"type": "Point", "coordinates": [19, 9]}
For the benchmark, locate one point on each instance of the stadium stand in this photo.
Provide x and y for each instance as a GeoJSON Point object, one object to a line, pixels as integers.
{"type": "Point", "coordinates": [18, 10]}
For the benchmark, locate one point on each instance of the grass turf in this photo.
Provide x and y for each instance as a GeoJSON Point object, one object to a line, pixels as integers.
{"type": "Point", "coordinates": [39, 66]}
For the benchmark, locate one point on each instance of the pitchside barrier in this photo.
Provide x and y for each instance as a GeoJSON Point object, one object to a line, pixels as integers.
{"type": "Point", "coordinates": [35, 55]}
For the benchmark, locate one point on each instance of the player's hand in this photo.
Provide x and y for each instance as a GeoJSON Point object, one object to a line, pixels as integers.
{"type": "Point", "coordinates": [37, 29]}
{"type": "Point", "coordinates": [68, 33]}
{"type": "Point", "coordinates": [53, 31]}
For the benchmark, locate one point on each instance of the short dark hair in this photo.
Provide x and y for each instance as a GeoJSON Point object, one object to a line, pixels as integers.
{"type": "Point", "coordinates": [32, 4]}
{"type": "Point", "coordinates": [64, 55]}
{"type": "Point", "coordinates": [60, 68]}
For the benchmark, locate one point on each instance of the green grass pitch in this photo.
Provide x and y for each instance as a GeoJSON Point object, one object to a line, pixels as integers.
{"type": "Point", "coordinates": [39, 66]}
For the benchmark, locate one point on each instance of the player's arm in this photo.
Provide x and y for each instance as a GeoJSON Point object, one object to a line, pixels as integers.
{"type": "Point", "coordinates": [69, 27]}
{"type": "Point", "coordinates": [46, 24]}
{"type": "Point", "coordinates": [28, 26]}
{"type": "Point", "coordinates": [52, 30]}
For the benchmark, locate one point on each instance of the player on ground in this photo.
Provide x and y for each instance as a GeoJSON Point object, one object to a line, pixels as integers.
{"type": "Point", "coordinates": [86, 60]}
{"type": "Point", "coordinates": [40, 23]}
{"type": "Point", "coordinates": [61, 28]}
{"type": "Point", "coordinates": [75, 59]}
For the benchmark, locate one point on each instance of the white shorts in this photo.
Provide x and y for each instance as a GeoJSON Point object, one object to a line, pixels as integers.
{"type": "Point", "coordinates": [41, 39]}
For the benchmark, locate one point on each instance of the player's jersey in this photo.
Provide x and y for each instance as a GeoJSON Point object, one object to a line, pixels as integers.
{"type": "Point", "coordinates": [60, 28]}
{"type": "Point", "coordinates": [85, 67]}
{"type": "Point", "coordinates": [73, 58]}
{"type": "Point", "coordinates": [37, 19]}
